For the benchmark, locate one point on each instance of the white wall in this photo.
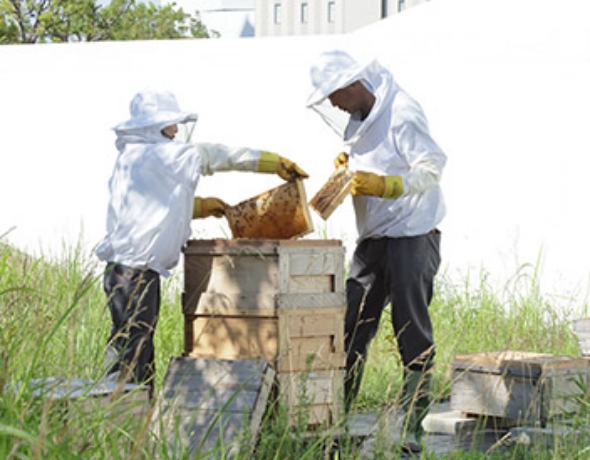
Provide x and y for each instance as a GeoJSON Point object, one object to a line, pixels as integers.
{"type": "Point", "coordinates": [60, 101]}
{"type": "Point", "coordinates": [504, 86]}
{"type": "Point", "coordinates": [507, 97]}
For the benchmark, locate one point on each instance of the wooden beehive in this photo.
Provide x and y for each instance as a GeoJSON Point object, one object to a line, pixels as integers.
{"type": "Point", "coordinates": [280, 213]}
{"type": "Point", "coordinates": [521, 386]}
{"type": "Point", "coordinates": [281, 301]}
{"type": "Point", "coordinates": [332, 193]}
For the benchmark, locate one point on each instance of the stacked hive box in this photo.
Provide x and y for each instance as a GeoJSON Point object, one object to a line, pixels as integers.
{"type": "Point", "coordinates": [278, 300]}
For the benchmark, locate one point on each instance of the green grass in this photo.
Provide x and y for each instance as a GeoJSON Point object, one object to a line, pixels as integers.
{"type": "Point", "coordinates": [54, 322]}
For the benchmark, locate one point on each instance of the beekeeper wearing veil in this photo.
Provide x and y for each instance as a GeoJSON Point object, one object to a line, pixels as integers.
{"type": "Point", "coordinates": [152, 201]}
{"type": "Point", "coordinates": [398, 204]}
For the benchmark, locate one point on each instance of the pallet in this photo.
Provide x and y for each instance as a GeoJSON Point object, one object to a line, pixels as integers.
{"type": "Point", "coordinates": [213, 406]}
{"type": "Point", "coordinates": [115, 401]}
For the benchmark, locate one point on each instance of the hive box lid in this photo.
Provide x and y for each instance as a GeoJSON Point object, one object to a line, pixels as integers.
{"type": "Point", "coordinates": [261, 246]}
{"type": "Point", "coordinates": [520, 363]}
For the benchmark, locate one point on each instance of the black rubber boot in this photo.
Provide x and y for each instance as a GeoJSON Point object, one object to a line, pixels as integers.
{"type": "Point", "coordinates": [416, 402]}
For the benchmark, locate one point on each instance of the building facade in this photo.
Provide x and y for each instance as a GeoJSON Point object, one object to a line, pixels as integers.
{"type": "Point", "coordinates": [262, 18]}
{"type": "Point", "coordinates": [312, 17]}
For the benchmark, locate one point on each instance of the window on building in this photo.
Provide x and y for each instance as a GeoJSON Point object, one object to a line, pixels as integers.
{"type": "Point", "coordinates": [304, 13]}
{"type": "Point", "coordinates": [401, 5]}
{"type": "Point", "coordinates": [277, 13]}
{"type": "Point", "coordinates": [331, 11]}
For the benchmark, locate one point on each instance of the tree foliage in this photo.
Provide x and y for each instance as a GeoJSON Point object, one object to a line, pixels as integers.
{"type": "Point", "coordinates": [55, 21]}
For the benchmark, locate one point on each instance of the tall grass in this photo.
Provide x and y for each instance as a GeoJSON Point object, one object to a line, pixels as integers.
{"type": "Point", "coordinates": [54, 322]}
{"type": "Point", "coordinates": [474, 318]}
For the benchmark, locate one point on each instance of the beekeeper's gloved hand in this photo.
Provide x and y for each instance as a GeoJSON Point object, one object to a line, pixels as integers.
{"type": "Point", "coordinates": [274, 163]}
{"type": "Point", "coordinates": [341, 160]}
{"type": "Point", "coordinates": [206, 207]}
{"type": "Point", "coordinates": [369, 184]}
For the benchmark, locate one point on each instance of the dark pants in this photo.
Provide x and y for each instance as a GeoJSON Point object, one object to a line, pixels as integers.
{"type": "Point", "coordinates": [134, 301]}
{"type": "Point", "coordinates": [399, 271]}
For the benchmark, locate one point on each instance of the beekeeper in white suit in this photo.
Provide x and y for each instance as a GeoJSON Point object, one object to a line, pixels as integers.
{"type": "Point", "coordinates": [152, 202]}
{"type": "Point", "coordinates": [398, 204]}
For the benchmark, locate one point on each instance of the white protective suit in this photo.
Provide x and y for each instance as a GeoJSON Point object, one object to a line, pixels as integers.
{"type": "Point", "coordinates": [392, 140]}
{"type": "Point", "coordinates": [152, 187]}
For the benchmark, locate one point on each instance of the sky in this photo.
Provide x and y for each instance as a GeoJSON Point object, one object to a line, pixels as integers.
{"type": "Point", "coordinates": [504, 86]}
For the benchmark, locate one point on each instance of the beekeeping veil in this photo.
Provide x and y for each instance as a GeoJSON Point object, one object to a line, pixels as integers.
{"type": "Point", "coordinates": [151, 111]}
{"type": "Point", "coordinates": [334, 70]}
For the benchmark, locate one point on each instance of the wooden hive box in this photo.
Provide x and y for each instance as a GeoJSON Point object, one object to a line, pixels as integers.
{"type": "Point", "coordinates": [281, 301]}
{"type": "Point", "coordinates": [528, 388]}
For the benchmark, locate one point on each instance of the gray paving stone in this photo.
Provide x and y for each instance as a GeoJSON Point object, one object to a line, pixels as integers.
{"type": "Point", "coordinates": [447, 432]}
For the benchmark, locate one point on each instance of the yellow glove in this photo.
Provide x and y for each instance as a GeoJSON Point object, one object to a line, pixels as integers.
{"type": "Point", "coordinates": [273, 163]}
{"type": "Point", "coordinates": [206, 207]}
{"type": "Point", "coordinates": [341, 160]}
{"type": "Point", "coordinates": [288, 170]}
{"type": "Point", "coordinates": [369, 184]}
